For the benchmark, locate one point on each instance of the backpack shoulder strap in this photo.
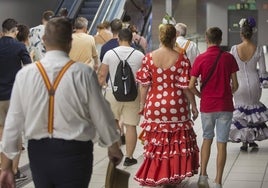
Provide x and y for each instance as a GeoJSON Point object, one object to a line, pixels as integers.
{"type": "Point", "coordinates": [130, 54]}
{"type": "Point", "coordinates": [127, 56]}
{"type": "Point", "coordinates": [116, 54]}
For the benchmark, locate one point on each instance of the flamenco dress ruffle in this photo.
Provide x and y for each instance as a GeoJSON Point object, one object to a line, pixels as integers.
{"type": "Point", "coordinates": [170, 153]}
{"type": "Point", "coordinates": [263, 80]}
{"type": "Point", "coordinates": [249, 123]}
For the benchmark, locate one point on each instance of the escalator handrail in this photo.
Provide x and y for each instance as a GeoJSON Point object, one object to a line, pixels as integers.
{"type": "Point", "coordinates": [59, 7]}
{"type": "Point", "coordinates": [146, 22]}
{"type": "Point", "coordinates": [114, 10]}
{"type": "Point", "coordinates": [108, 13]}
{"type": "Point", "coordinates": [99, 14]}
{"type": "Point", "coordinates": [147, 30]}
{"type": "Point", "coordinates": [73, 7]}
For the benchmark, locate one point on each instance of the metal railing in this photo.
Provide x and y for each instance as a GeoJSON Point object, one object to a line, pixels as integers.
{"type": "Point", "coordinates": [104, 6]}
{"type": "Point", "coordinates": [72, 7]}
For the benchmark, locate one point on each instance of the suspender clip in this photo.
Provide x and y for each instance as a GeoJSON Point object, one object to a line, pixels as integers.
{"type": "Point", "coordinates": [51, 92]}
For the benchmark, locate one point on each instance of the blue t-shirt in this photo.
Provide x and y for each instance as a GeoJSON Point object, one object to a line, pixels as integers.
{"type": "Point", "coordinates": [108, 46]}
{"type": "Point", "coordinates": [13, 54]}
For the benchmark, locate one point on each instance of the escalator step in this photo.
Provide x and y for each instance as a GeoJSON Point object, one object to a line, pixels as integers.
{"type": "Point", "coordinates": [87, 16]}
{"type": "Point", "coordinates": [92, 4]}
{"type": "Point", "coordinates": [88, 10]}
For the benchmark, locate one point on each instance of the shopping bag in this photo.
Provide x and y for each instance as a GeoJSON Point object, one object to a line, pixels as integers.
{"type": "Point", "coordinates": [116, 178]}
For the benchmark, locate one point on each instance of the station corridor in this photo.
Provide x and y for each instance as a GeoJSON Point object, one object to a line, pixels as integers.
{"type": "Point", "coordinates": [242, 170]}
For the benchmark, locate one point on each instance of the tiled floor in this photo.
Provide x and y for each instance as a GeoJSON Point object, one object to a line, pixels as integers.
{"type": "Point", "coordinates": [242, 170]}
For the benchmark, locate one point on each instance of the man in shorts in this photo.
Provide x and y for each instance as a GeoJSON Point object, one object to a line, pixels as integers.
{"type": "Point", "coordinates": [216, 104]}
{"type": "Point", "coordinates": [127, 110]}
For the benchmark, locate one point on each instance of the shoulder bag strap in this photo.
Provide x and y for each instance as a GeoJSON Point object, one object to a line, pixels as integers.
{"type": "Point", "coordinates": [51, 91]}
{"type": "Point", "coordinates": [211, 71]}
{"type": "Point", "coordinates": [139, 41]}
{"type": "Point", "coordinates": [102, 38]}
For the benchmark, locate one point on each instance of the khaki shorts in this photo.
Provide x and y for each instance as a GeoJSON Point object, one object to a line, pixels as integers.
{"type": "Point", "coordinates": [4, 105]}
{"type": "Point", "coordinates": [128, 111]}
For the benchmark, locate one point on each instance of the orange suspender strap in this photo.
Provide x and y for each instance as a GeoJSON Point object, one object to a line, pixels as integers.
{"type": "Point", "coordinates": [51, 90]}
{"type": "Point", "coordinates": [186, 46]}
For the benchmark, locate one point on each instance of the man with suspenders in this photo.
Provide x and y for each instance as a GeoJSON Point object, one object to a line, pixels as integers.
{"type": "Point", "coordinates": [57, 104]}
{"type": "Point", "coordinates": [189, 47]}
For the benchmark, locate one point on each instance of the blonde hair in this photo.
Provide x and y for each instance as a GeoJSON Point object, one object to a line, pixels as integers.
{"type": "Point", "coordinates": [167, 35]}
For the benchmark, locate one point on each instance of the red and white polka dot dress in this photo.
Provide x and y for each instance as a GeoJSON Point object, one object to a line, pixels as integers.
{"type": "Point", "coordinates": [170, 149]}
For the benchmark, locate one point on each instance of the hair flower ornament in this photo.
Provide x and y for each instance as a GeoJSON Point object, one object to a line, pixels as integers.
{"type": "Point", "coordinates": [251, 22]}
{"type": "Point", "coordinates": [242, 22]}
{"type": "Point", "coordinates": [247, 21]}
{"type": "Point", "coordinates": [168, 20]}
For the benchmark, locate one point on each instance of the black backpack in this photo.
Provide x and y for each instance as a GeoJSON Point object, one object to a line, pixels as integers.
{"type": "Point", "coordinates": [124, 86]}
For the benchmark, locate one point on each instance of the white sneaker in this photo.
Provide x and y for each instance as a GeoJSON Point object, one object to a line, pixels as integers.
{"type": "Point", "coordinates": [203, 182]}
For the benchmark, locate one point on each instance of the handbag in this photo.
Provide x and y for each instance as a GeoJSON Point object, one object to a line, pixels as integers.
{"type": "Point", "coordinates": [116, 178]}
{"type": "Point", "coordinates": [211, 71]}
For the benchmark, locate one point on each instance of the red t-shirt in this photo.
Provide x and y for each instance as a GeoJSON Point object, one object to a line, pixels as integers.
{"type": "Point", "coordinates": [216, 96]}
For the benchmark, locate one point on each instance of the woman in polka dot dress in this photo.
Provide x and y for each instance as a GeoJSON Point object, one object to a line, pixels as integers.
{"type": "Point", "coordinates": [170, 150]}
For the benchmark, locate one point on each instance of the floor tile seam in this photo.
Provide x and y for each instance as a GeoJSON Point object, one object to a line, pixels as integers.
{"type": "Point", "coordinates": [230, 169]}
{"type": "Point", "coordinates": [99, 161]}
{"type": "Point", "coordinates": [264, 174]}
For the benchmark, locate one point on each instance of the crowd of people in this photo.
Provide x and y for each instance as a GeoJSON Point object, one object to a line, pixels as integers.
{"type": "Point", "coordinates": [57, 92]}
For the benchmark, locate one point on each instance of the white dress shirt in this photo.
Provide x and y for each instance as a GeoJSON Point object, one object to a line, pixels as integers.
{"type": "Point", "coordinates": [80, 110]}
{"type": "Point", "coordinates": [192, 50]}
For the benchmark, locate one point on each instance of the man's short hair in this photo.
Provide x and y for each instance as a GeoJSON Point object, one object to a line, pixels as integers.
{"type": "Point", "coordinates": [58, 32]}
{"type": "Point", "coordinates": [116, 25]}
{"type": "Point", "coordinates": [80, 23]}
{"type": "Point", "coordinates": [181, 28]}
{"type": "Point", "coordinates": [47, 15]}
{"type": "Point", "coordinates": [125, 35]}
{"type": "Point", "coordinates": [9, 25]}
{"type": "Point", "coordinates": [214, 35]}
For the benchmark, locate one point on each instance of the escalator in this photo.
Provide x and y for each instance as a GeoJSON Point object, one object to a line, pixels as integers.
{"type": "Point", "coordinates": [97, 11]}
{"type": "Point", "coordinates": [84, 8]}
{"type": "Point", "coordinates": [89, 9]}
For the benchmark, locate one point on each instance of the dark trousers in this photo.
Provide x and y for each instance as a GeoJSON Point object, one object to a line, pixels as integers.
{"type": "Point", "coordinates": [58, 163]}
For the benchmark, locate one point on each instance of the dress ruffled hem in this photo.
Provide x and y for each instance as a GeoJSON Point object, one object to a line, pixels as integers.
{"type": "Point", "coordinates": [263, 80]}
{"type": "Point", "coordinates": [248, 134]}
{"type": "Point", "coordinates": [245, 114]}
{"type": "Point", "coordinates": [170, 153]}
{"type": "Point", "coordinates": [154, 172]}
{"type": "Point", "coordinates": [249, 123]}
